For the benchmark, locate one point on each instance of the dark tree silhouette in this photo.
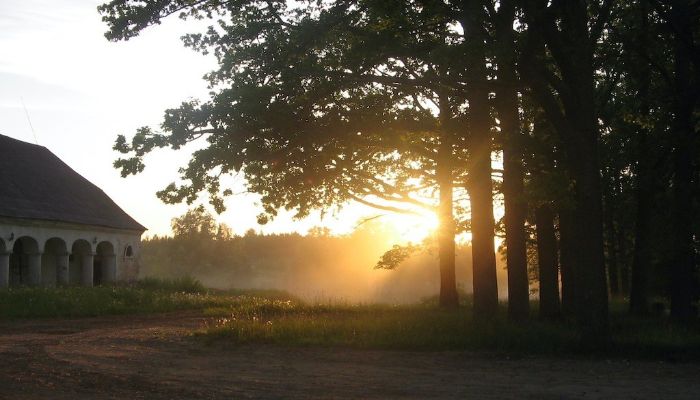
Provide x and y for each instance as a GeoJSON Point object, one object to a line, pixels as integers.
{"type": "Point", "coordinates": [507, 109]}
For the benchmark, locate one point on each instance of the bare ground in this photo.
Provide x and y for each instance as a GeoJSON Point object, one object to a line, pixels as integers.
{"type": "Point", "coordinates": [153, 357]}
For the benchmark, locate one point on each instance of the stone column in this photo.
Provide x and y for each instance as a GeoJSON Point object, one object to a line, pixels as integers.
{"type": "Point", "coordinates": [62, 265]}
{"type": "Point", "coordinates": [34, 266]}
{"type": "Point", "coordinates": [109, 269]}
{"type": "Point", "coordinates": [87, 265]}
{"type": "Point", "coordinates": [4, 269]}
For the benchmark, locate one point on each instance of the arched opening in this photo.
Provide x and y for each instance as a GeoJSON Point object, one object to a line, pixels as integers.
{"type": "Point", "coordinates": [129, 251]}
{"type": "Point", "coordinates": [105, 264]}
{"type": "Point", "coordinates": [25, 262]}
{"type": "Point", "coordinates": [4, 265]}
{"type": "Point", "coordinates": [54, 263]}
{"type": "Point", "coordinates": [80, 267]}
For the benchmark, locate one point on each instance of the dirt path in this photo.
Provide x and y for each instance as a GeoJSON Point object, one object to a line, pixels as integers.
{"type": "Point", "coordinates": [151, 357]}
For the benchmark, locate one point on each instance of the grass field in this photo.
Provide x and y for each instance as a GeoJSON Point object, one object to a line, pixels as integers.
{"type": "Point", "coordinates": [272, 317]}
{"type": "Point", "coordinates": [144, 297]}
{"type": "Point", "coordinates": [424, 327]}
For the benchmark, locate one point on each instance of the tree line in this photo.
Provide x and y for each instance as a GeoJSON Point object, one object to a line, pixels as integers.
{"type": "Point", "coordinates": [590, 107]}
{"type": "Point", "coordinates": [316, 266]}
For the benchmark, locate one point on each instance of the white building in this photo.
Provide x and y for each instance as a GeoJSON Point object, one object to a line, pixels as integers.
{"type": "Point", "coordinates": [57, 228]}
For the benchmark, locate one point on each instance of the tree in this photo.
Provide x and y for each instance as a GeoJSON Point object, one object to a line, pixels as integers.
{"type": "Point", "coordinates": [350, 103]}
{"type": "Point", "coordinates": [508, 111]}
{"type": "Point", "coordinates": [196, 222]}
{"type": "Point", "coordinates": [472, 18]}
{"type": "Point", "coordinates": [593, 105]}
{"type": "Point", "coordinates": [627, 157]}
{"type": "Point", "coordinates": [564, 85]}
{"type": "Point", "coordinates": [651, 166]}
{"type": "Point", "coordinates": [319, 231]}
{"type": "Point", "coordinates": [641, 261]}
{"type": "Point", "coordinates": [686, 87]}
{"type": "Point", "coordinates": [546, 189]}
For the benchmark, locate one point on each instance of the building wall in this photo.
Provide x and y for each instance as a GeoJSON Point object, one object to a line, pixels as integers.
{"type": "Point", "coordinates": [55, 240]}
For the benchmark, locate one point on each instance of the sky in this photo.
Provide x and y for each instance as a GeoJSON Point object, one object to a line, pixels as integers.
{"type": "Point", "coordinates": [65, 87]}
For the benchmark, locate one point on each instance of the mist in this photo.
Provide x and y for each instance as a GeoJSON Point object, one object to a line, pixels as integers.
{"type": "Point", "coordinates": [314, 267]}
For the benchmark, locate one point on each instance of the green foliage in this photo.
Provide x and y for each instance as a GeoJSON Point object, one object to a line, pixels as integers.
{"type": "Point", "coordinates": [195, 222]}
{"type": "Point", "coordinates": [398, 254]}
{"type": "Point", "coordinates": [317, 104]}
{"type": "Point", "coordinates": [184, 284]}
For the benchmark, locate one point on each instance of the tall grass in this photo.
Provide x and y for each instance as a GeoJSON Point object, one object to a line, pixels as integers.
{"type": "Point", "coordinates": [415, 327]}
{"type": "Point", "coordinates": [148, 296]}
{"type": "Point", "coordinates": [252, 319]}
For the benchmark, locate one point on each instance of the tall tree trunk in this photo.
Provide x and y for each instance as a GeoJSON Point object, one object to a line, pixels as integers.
{"type": "Point", "coordinates": [513, 174]}
{"type": "Point", "coordinates": [611, 244]}
{"type": "Point", "coordinates": [479, 142]}
{"type": "Point", "coordinates": [621, 259]}
{"type": "Point", "coordinates": [591, 293]}
{"type": "Point", "coordinates": [583, 165]}
{"type": "Point", "coordinates": [683, 169]}
{"type": "Point", "coordinates": [623, 270]}
{"type": "Point", "coordinates": [641, 264]}
{"type": "Point", "coordinates": [446, 227]}
{"type": "Point", "coordinates": [547, 262]}
{"type": "Point", "coordinates": [564, 27]}
{"type": "Point", "coordinates": [566, 248]}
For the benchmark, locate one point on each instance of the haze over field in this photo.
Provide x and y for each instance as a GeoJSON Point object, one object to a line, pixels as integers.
{"type": "Point", "coordinates": [315, 267]}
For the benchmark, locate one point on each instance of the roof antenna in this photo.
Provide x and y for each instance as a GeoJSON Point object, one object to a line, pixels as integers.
{"type": "Point", "coordinates": [29, 120]}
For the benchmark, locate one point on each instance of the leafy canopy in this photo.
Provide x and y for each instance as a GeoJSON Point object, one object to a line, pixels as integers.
{"type": "Point", "coordinates": [316, 104]}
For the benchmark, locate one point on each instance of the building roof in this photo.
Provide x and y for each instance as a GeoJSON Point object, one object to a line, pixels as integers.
{"type": "Point", "coordinates": [35, 184]}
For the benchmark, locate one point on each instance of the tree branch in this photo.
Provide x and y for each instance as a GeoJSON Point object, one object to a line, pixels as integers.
{"type": "Point", "coordinates": [382, 207]}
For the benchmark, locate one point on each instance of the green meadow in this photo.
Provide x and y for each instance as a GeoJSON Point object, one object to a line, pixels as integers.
{"type": "Point", "coordinates": [237, 317]}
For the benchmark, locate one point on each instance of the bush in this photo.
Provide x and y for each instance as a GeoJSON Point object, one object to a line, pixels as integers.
{"type": "Point", "coordinates": [186, 284]}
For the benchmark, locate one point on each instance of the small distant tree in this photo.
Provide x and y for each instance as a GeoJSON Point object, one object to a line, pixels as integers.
{"type": "Point", "coordinates": [195, 222]}
{"type": "Point", "coordinates": [319, 231]}
{"type": "Point", "coordinates": [223, 232]}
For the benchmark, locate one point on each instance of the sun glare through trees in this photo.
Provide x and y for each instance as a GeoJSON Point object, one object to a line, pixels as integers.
{"type": "Point", "coordinates": [324, 104]}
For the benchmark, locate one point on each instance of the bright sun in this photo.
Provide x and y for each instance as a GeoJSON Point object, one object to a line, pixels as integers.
{"type": "Point", "coordinates": [412, 228]}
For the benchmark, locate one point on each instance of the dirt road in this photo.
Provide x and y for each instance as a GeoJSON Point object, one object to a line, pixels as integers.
{"type": "Point", "coordinates": [152, 357]}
